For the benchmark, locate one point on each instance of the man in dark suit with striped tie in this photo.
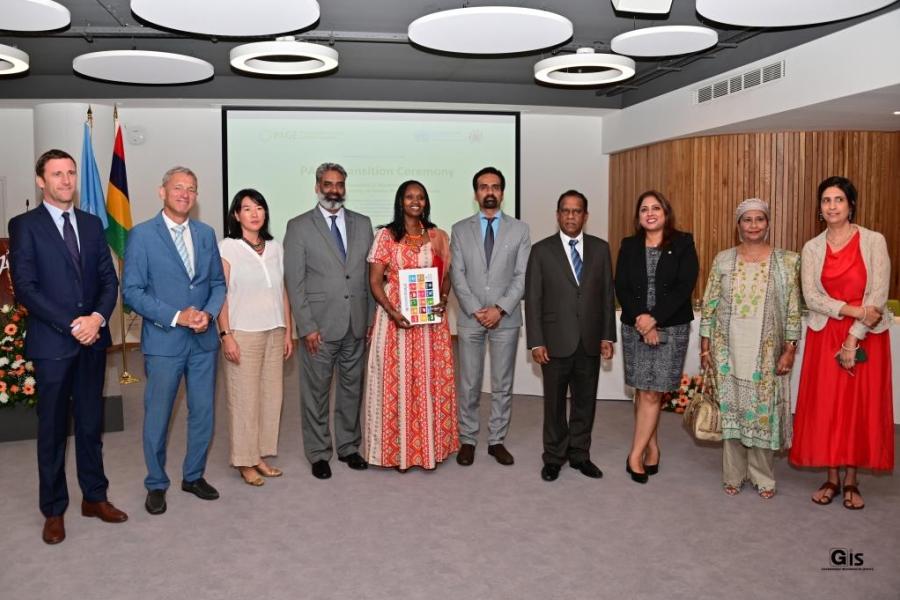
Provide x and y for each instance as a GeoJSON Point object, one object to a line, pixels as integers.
{"type": "Point", "coordinates": [570, 324]}
{"type": "Point", "coordinates": [63, 275]}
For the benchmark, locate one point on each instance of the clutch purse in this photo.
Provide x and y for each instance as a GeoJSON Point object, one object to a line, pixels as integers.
{"type": "Point", "coordinates": [701, 416]}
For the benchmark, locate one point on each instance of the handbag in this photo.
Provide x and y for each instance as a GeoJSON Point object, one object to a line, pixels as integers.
{"type": "Point", "coordinates": [701, 416]}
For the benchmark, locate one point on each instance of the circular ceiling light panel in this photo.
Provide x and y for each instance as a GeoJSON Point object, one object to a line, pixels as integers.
{"type": "Point", "coordinates": [284, 57]}
{"type": "Point", "coordinates": [666, 40]}
{"type": "Point", "coordinates": [144, 67]}
{"type": "Point", "coordinates": [12, 61]}
{"type": "Point", "coordinates": [584, 68]}
{"type": "Point", "coordinates": [33, 15]}
{"type": "Point", "coordinates": [779, 13]}
{"type": "Point", "coordinates": [230, 18]}
{"type": "Point", "coordinates": [490, 30]}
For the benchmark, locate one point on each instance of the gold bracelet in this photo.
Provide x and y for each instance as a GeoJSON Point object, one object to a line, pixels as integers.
{"type": "Point", "coordinates": [702, 354]}
{"type": "Point", "coordinates": [843, 347]}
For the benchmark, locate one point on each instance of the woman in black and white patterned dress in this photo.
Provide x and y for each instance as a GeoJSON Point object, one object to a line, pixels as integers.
{"type": "Point", "coordinates": [656, 271]}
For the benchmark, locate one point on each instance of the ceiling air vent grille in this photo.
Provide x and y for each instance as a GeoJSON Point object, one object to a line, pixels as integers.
{"type": "Point", "coordinates": [740, 83]}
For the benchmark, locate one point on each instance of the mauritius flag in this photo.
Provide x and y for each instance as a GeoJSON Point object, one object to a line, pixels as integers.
{"type": "Point", "coordinates": [118, 208]}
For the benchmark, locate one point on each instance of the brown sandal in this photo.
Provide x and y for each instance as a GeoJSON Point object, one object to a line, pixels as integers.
{"type": "Point", "coordinates": [848, 502]}
{"type": "Point", "coordinates": [834, 488]}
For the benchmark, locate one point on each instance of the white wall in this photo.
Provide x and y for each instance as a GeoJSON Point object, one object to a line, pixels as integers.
{"type": "Point", "coordinates": [854, 60]}
{"type": "Point", "coordinates": [16, 161]}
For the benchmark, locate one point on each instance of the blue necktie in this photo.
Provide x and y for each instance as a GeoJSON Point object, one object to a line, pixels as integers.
{"type": "Point", "coordinates": [71, 241]}
{"type": "Point", "coordinates": [337, 238]}
{"type": "Point", "coordinates": [576, 259]}
{"type": "Point", "coordinates": [182, 250]}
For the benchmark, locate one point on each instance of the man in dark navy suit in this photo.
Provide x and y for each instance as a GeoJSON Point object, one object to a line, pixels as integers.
{"type": "Point", "coordinates": [64, 276]}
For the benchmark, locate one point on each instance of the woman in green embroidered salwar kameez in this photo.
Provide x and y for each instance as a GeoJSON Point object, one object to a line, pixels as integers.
{"type": "Point", "coordinates": [749, 328]}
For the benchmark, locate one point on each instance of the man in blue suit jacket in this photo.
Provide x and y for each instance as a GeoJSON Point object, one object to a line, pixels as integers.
{"type": "Point", "coordinates": [174, 280]}
{"type": "Point", "coordinates": [63, 275]}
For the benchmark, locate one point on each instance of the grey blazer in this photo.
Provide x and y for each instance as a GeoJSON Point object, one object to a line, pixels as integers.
{"type": "Point", "coordinates": [328, 295]}
{"type": "Point", "coordinates": [477, 286]}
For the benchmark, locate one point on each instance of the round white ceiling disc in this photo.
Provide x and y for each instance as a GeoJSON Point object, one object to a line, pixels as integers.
{"type": "Point", "coordinates": [230, 18]}
{"type": "Point", "coordinates": [785, 13]}
{"type": "Point", "coordinates": [33, 15]}
{"type": "Point", "coordinates": [142, 67]}
{"type": "Point", "coordinates": [666, 40]}
{"type": "Point", "coordinates": [490, 30]}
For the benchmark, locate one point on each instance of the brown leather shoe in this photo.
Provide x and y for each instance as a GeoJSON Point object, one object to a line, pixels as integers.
{"type": "Point", "coordinates": [466, 455]}
{"type": "Point", "coordinates": [499, 452]}
{"type": "Point", "coordinates": [104, 511]}
{"type": "Point", "coordinates": [54, 530]}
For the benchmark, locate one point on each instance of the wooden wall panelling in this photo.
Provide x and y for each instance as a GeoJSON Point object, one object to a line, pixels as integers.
{"type": "Point", "coordinates": [705, 178]}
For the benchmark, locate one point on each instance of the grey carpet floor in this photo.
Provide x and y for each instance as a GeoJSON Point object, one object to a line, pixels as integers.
{"type": "Point", "coordinates": [479, 532]}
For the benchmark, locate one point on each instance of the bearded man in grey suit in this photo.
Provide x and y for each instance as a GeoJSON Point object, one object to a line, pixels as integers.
{"type": "Point", "coordinates": [489, 258]}
{"type": "Point", "coordinates": [327, 277]}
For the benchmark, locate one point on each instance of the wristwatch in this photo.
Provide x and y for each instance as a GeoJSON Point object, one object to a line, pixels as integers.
{"type": "Point", "coordinates": [500, 308]}
{"type": "Point", "coordinates": [224, 332]}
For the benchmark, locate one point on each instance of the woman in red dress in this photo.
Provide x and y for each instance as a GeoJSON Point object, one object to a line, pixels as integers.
{"type": "Point", "coordinates": [410, 395]}
{"type": "Point", "coordinates": [844, 406]}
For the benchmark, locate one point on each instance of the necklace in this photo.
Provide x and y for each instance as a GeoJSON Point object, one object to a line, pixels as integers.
{"type": "Point", "coordinates": [258, 247]}
{"type": "Point", "coordinates": [835, 244]}
{"type": "Point", "coordinates": [417, 236]}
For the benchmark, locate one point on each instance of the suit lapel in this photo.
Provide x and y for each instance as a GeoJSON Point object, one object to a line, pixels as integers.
{"type": "Point", "coordinates": [197, 242]}
{"type": "Point", "coordinates": [475, 228]}
{"type": "Point", "coordinates": [52, 233]}
{"type": "Point", "coordinates": [559, 255]}
{"type": "Point", "coordinates": [349, 227]}
{"type": "Point", "coordinates": [323, 229]}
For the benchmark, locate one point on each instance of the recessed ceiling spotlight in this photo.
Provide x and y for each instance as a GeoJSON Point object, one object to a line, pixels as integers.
{"type": "Point", "coordinates": [897, 112]}
{"type": "Point", "coordinates": [285, 57]}
{"type": "Point", "coordinates": [584, 68]}
{"type": "Point", "coordinates": [12, 61]}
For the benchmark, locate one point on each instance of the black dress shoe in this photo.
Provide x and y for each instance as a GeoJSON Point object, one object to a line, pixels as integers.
{"type": "Point", "coordinates": [550, 472]}
{"type": "Point", "coordinates": [638, 477]}
{"type": "Point", "coordinates": [321, 470]}
{"type": "Point", "coordinates": [466, 455]}
{"type": "Point", "coordinates": [501, 454]}
{"type": "Point", "coordinates": [587, 468]}
{"type": "Point", "coordinates": [156, 502]}
{"type": "Point", "coordinates": [354, 461]}
{"type": "Point", "coordinates": [200, 488]}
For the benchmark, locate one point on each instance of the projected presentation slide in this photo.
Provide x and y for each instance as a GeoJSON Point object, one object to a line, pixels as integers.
{"type": "Point", "coordinates": [277, 152]}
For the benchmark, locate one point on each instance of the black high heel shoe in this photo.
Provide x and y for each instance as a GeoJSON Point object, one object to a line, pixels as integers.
{"type": "Point", "coordinates": [651, 469]}
{"type": "Point", "coordinates": [638, 477]}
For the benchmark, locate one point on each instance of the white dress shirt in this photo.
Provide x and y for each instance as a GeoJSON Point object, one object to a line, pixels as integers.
{"type": "Point", "coordinates": [188, 243]}
{"type": "Point", "coordinates": [57, 214]}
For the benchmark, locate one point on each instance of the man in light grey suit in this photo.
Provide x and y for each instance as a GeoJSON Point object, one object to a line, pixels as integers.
{"type": "Point", "coordinates": [327, 279]}
{"type": "Point", "coordinates": [489, 259]}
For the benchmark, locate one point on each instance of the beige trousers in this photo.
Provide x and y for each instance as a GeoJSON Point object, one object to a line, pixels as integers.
{"type": "Point", "coordinates": [254, 390]}
{"type": "Point", "coordinates": [740, 463]}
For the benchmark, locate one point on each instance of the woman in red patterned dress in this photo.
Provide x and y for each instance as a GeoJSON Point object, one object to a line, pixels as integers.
{"type": "Point", "coordinates": [410, 397]}
{"type": "Point", "coordinates": [845, 403]}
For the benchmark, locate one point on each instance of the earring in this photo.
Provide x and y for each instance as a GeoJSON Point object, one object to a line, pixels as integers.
{"type": "Point", "coordinates": [821, 216]}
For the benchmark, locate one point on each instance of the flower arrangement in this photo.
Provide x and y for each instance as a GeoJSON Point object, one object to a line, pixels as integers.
{"type": "Point", "coordinates": [678, 400]}
{"type": "Point", "coordinates": [17, 383]}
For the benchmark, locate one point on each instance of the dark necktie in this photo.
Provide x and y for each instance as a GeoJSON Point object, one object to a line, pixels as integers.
{"type": "Point", "coordinates": [489, 240]}
{"type": "Point", "coordinates": [576, 259]}
{"type": "Point", "coordinates": [71, 241]}
{"type": "Point", "coordinates": [337, 238]}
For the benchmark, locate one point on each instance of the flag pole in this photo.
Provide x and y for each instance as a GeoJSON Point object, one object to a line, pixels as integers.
{"type": "Point", "coordinates": [125, 378]}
